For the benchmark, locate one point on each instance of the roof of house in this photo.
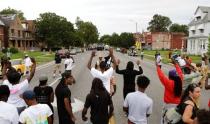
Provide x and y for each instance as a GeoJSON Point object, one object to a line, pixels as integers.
{"type": "Point", "coordinates": [204, 9]}
{"type": "Point", "coordinates": [7, 18]}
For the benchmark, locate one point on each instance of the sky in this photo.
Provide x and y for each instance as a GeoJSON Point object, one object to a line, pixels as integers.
{"type": "Point", "coordinates": [110, 15]}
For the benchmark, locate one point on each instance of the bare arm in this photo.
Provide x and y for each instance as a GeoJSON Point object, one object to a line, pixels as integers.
{"type": "Point", "coordinates": [52, 97]}
{"type": "Point", "coordinates": [188, 114]}
{"type": "Point", "coordinates": [113, 57]}
{"type": "Point", "coordinates": [84, 112]}
{"type": "Point", "coordinates": [207, 86]}
{"type": "Point", "coordinates": [33, 68]}
{"type": "Point", "coordinates": [4, 71]}
{"type": "Point", "coordinates": [49, 119]}
{"type": "Point", "coordinates": [68, 107]}
{"type": "Point", "coordinates": [90, 60]}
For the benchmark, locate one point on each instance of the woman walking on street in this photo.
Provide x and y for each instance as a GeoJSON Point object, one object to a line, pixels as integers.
{"type": "Point", "coordinates": [129, 75]}
{"type": "Point", "coordinates": [173, 88]}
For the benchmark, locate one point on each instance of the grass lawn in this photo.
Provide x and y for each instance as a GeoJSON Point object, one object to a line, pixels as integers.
{"type": "Point", "coordinates": [40, 57]}
{"type": "Point", "coordinates": [164, 54]}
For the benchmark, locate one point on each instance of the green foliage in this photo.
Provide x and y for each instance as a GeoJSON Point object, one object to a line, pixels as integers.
{"type": "Point", "coordinates": [179, 28]}
{"type": "Point", "coordinates": [54, 30]}
{"type": "Point", "coordinates": [4, 50]}
{"type": "Point", "coordinates": [124, 40]}
{"type": "Point", "coordinates": [14, 50]}
{"type": "Point", "coordinates": [159, 23]}
{"type": "Point", "coordinates": [87, 32]}
{"type": "Point", "coordinates": [13, 11]}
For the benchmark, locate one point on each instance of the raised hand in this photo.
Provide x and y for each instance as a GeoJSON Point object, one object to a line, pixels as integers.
{"type": "Point", "coordinates": [138, 62]}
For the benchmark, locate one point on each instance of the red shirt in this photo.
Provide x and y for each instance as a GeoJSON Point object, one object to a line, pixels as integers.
{"type": "Point", "coordinates": [168, 84]}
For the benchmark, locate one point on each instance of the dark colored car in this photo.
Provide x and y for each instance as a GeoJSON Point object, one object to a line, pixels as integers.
{"type": "Point", "coordinates": [100, 47]}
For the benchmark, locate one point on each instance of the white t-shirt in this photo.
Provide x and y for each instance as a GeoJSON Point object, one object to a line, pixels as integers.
{"type": "Point", "coordinates": [8, 113]}
{"type": "Point", "coordinates": [69, 63]}
{"type": "Point", "coordinates": [105, 77]}
{"type": "Point", "coordinates": [36, 114]}
{"type": "Point", "coordinates": [27, 62]}
{"type": "Point", "coordinates": [15, 92]}
{"type": "Point", "coordinates": [139, 105]}
{"type": "Point", "coordinates": [158, 60]}
{"type": "Point", "coordinates": [181, 62]}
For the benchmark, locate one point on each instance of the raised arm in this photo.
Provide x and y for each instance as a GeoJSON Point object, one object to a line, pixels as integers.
{"type": "Point", "coordinates": [111, 53]}
{"type": "Point", "coordinates": [163, 79]}
{"type": "Point", "coordinates": [207, 86]}
{"type": "Point", "coordinates": [90, 60]}
{"type": "Point", "coordinates": [140, 69]}
{"type": "Point", "coordinates": [117, 68]}
{"type": "Point", "coordinates": [33, 68]}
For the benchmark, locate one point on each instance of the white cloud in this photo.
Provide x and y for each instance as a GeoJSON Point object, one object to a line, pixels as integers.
{"type": "Point", "coordinates": [110, 15]}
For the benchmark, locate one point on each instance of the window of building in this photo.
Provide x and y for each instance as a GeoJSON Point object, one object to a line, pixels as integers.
{"type": "Point", "coordinates": [193, 31]}
{"type": "Point", "coordinates": [12, 32]}
{"type": "Point", "coordinates": [198, 18]}
{"type": "Point", "coordinates": [18, 43]}
{"type": "Point", "coordinates": [201, 30]}
{"type": "Point", "coordinates": [19, 33]}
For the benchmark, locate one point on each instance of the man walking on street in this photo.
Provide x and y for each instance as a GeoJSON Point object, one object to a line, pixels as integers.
{"type": "Point", "coordinates": [63, 95]}
{"type": "Point", "coordinates": [57, 64]}
{"type": "Point", "coordinates": [138, 104]}
{"type": "Point", "coordinates": [69, 63]}
{"type": "Point", "coordinates": [103, 74]}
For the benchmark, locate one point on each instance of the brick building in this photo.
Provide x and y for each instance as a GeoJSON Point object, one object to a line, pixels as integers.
{"type": "Point", "coordinates": [18, 34]}
{"type": "Point", "coordinates": [164, 40]}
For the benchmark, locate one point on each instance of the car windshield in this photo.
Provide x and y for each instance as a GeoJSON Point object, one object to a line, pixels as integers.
{"type": "Point", "coordinates": [15, 62]}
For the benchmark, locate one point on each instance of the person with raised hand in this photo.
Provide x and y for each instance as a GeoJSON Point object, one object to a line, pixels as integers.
{"type": "Point", "coordinates": [104, 74]}
{"type": "Point", "coordinates": [12, 80]}
{"type": "Point", "coordinates": [129, 75]}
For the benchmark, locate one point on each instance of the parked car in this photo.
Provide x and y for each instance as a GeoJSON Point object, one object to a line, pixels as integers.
{"type": "Point", "coordinates": [132, 51]}
{"type": "Point", "coordinates": [18, 65]}
{"type": "Point", "coordinates": [73, 52]}
{"type": "Point", "coordinates": [100, 47]}
{"type": "Point", "coordinates": [118, 49]}
{"type": "Point", "coordinates": [78, 50]}
{"type": "Point", "coordinates": [63, 53]}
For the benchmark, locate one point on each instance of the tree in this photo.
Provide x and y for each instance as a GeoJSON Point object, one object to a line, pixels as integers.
{"type": "Point", "coordinates": [54, 30]}
{"type": "Point", "coordinates": [179, 28]}
{"type": "Point", "coordinates": [106, 39]}
{"type": "Point", "coordinates": [159, 23]}
{"type": "Point", "coordinates": [126, 40]}
{"type": "Point", "coordinates": [13, 11]}
{"type": "Point", "coordinates": [87, 31]}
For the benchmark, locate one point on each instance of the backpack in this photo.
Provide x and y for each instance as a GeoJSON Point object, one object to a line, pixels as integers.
{"type": "Point", "coordinates": [172, 116]}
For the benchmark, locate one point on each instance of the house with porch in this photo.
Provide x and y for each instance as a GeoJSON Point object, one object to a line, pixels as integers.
{"type": "Point", "coordinates": [199, 31]}
{"type": "Point", "coordinates": [18, 33]}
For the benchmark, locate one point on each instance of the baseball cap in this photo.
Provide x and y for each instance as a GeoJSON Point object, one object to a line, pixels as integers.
{"type": "Point", "coordinates": [29, 95]}
{"type": "Point", "coordinates": [43, 78]}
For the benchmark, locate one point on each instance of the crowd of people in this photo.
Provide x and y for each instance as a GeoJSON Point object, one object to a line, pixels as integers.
{"type": "Point", "coordinates": [182, 90]}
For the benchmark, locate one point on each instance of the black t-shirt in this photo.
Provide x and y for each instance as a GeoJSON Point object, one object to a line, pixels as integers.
{"type": "Point", "coordinates": [62, 92]}
{"type": "Point", "coordinates": [99, 107]}
{"type": "Point", "coordinates": [57, 59]}
{"type": "Point", "coordinates": [129, 77]}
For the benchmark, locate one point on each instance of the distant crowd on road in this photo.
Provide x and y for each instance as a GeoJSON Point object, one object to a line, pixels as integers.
{"type": "Point", "coordinates": [182, 91]}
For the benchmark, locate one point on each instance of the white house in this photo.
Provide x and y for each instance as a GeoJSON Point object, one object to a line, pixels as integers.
{"type": "Point", "coordinates": [199, 31]}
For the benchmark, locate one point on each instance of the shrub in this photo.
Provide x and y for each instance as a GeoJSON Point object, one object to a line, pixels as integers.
{"type": "Point", "coordinates": [4, 50]}
{"type": "Point", "coordinates": [14, 50]}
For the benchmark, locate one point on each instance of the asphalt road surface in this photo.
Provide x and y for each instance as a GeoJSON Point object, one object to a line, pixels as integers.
{"type": "Point", "coordinates": [84, 79]}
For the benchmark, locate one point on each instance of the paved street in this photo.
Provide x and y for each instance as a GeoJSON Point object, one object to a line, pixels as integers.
{"type": "Point", "coordinates": [84, 79]}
